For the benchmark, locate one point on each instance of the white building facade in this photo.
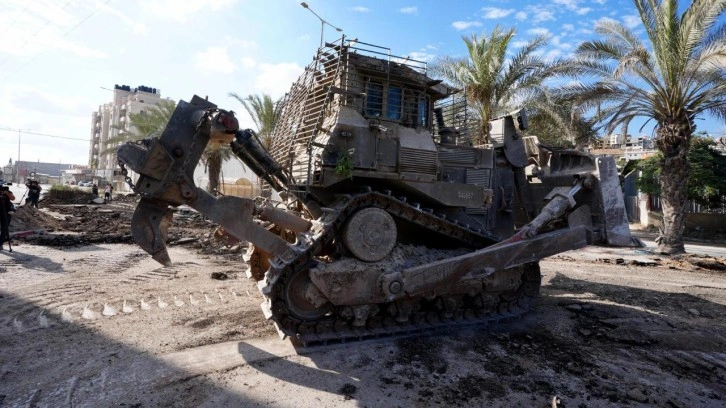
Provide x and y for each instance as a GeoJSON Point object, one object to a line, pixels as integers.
{"type": "Point", "coordinates": [109, 121]}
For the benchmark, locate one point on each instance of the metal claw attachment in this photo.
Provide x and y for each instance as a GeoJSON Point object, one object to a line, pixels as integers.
{"type": "Point", "coordinates": [149, 227]}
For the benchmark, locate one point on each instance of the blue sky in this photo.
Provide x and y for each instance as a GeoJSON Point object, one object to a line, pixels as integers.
{"type": "Point", "coordinates": [56, 56]}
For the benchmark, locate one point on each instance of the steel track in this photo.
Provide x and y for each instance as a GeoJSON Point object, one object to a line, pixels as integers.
{"type": "Point", "coordinates": [423, 315]}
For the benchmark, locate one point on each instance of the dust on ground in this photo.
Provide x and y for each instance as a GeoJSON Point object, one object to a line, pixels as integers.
{"type": "Point", "coordinates": [101, 324]}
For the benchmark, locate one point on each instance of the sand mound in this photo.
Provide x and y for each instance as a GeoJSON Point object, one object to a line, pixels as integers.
{"type": "Point", "coordinates": [31, 218]}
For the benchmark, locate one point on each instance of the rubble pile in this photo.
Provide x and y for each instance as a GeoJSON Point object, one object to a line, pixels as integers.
{"type": "Point", "coordinates": [28, 218]}
{"type": "Point", "coordinates": [192, 228]}
{"type": "Point", "coordinates": [126, 198]}
{"type": "Point", "coordinates": [66, 196]}
{"type": "Point", "coordinates": [96, 219]}
{"type": "Point", "coordinates": [70, 218]}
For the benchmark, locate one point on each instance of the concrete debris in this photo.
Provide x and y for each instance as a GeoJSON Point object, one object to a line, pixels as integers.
{"type": "Point", "coordinates": [70, 221]}
{"type": "Point", "coordinates": [706, 263]}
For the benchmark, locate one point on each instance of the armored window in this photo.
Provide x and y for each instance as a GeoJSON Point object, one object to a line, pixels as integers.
{"type": "Point", "coordinates": [374, 99]}
{"type": "Point", "coordinates": [423, 112]}
{"type": "Point", "coordinates": [393, 105]}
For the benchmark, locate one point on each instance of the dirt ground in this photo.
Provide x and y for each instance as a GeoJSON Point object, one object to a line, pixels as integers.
{"type": "Point", "coordinates": [87, 319]}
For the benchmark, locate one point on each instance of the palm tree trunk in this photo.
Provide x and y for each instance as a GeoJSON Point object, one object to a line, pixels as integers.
{"type": "Point", "coordinates": [673, 141]}
{"type": "Point", "coordinates": [214, 166]}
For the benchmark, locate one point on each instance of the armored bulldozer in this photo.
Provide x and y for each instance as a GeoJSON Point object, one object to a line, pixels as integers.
{"type": "Point", "coordinates": [390, 209]}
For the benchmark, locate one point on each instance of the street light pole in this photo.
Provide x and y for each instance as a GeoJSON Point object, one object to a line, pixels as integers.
{"type": "Point", "coordinates": [322, 22]}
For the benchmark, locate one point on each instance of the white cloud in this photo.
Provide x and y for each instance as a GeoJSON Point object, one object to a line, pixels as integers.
{"type": "Point", "coordinates": [493, 12]}
{"type": "Point", "coordinates": [573, 5]}
{"type": "Point", "coordinates": [135, 27]}
{"type": "Point", "coordinates": [605, 20]}
{"type": "Point", "coordinates": [275, 79]}
{"type": "Point", "coordinates": [543, 15]}
{"type": "Point", "coordinates": [62, 114]}
{"type": "Point", "coordinates": [463, 25]}
{"type": "Point", "coordinates": [413, 10]}
{"type": "Point", "coordinates": [28, 29]}
{"type": "Point", "coordinates": [520, 15]}
{"type": "Point", "coordinates": [361, 9]}
{"type": "Point", "coordinates": [38, 100]}
{"type": "Point", "coordinates": [421, 56]}
{"type": "Point", "coordinates": [244, 43]}
{"type": "Point", "coordinates": [570, 4]}
{"type": "Point", "coordinates": [182, 11]}
{"type": "Point", "coordinates": [247, 62]}
{"type": "Point", "coordinates": [568, 27]}
{"type": "Point", "coordinates": [552, 54]}
{"type": "Point", "coordinates": [632, 21]}
{"type": "Point", "coordinates": [215, 60]}
{"type": "Point", "coordinates": [77, 49]}
{"type": "Point", "coordinates": [539, 31]}
{"type": "Point", "coordinates": [556, 41]}
{"type": "Point", "coordinates": [601, 2]}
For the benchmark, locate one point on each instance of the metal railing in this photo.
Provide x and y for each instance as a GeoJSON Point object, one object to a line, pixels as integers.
{"type": "Point", "coordinates": [350, 73]}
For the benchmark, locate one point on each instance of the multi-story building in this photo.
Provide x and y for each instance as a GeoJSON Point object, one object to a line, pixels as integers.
{"type": "Point", "coordinates": [614, 141]}
{"type": "Point", "coordinates": [110, 121]}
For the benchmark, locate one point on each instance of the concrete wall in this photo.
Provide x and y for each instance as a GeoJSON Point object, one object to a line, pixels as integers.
{"type": "Point", "coordinates": [715, 223]}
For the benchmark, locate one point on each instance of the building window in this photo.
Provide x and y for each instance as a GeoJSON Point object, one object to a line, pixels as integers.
{"type": "Point", "coordinates": [423, 112]}
{"type": "Point", "coordinates": [374, 99]}
{"type": "Point", "coordinates": [393, 106]}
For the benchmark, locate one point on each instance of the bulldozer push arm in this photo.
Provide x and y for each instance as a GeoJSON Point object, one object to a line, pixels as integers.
{"type": "Point", "coordinates": [582, 205]}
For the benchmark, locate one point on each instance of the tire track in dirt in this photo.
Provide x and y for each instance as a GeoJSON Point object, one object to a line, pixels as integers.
{"type": "Point", "coordinates": [94, 283]}
{"type": "Point", "coordinates": [74, 310]}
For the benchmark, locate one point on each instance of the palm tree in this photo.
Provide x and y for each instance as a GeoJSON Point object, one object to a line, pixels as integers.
{"type": "Point", "coordinates": [212, 158]}
{"type": "Point", "coordinates": [150, 121]}
{"type": "Point", "coordinates": [264, 112]}
{"type": "Point", "coordinates": [679, 77]}
{"type": "Point", "coordinates": [551, 119]}
{"type": "Point", "coordinates": [493, 83]}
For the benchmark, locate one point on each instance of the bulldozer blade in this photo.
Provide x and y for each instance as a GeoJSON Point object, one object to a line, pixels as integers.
{"type": "Point", "coordinates": [149, 227]}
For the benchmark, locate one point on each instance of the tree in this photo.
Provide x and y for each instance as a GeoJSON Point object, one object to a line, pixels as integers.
{"type": "Point", "coordinates": [707, 184]}
{"type": "Point", "coordinates": [264, 113]}
{"type": "Point", "coordinates": [150, 121]}
{"type": "Point", "coordinates": [551, 120]}
{"type": "Point", "coordinates": [213, 158]}
{"type": "Point", "coordinates": [493, 83]}
{"type": "Point", "coordinates": [679, 77]}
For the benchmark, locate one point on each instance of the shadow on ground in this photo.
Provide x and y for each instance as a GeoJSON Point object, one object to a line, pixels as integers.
{"type": "Point", "coordinates": [69, 364]}
{"type": "Point", "coordinates": [621, 346]}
